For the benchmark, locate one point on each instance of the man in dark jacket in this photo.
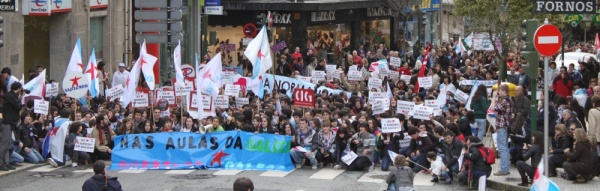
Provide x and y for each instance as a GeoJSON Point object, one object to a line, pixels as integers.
{"type": "Point", "coordinates": [452, 149]}
{"type": "Point", "coordinates": [419, 146]}
{"type": "Point", "coordinates": [101, 181]}
{"type": "Point", "coordinates": [10, 111]}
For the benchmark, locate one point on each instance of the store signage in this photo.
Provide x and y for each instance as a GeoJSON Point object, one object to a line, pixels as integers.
{"type": "Point", "coordinates": [213, 7]}
{"type": "Point", "coordinates": [281, 18]}
{"type": "Point", "coordinates": [379, 12]}
{"type": "Point", "coordinates": [98, 4]}
{"type": "Point", "coordinates": [9, 5]}
{"type": "Point", "coordinates": [565, 6]}
{"type": "Point", "coordinates": [37, 8]}
{"type": "Point", "coordinates": [322, 16]}
{"type": "Point", "coordinates": [60, 6]}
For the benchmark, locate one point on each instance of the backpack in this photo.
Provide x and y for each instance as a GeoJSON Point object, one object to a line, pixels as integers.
{"type": "Point", "coordinates": [488, 155]}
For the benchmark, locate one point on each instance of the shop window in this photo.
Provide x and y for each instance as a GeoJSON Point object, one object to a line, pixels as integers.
{"type": "Point", "coordinates": [96, 35]}
{"type": "Point", "coordinates": [373, 33]}
{"type": "Point", "coordinates": [331, 40]}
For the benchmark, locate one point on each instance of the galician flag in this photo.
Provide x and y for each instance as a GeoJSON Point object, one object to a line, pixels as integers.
{"type": "Point", "coordinates": [179, 80]}
{"type": "Point", "coordinates": [55, 139]}
{"type": "Point", "coordinates": [258, 53]}
{"type": "Point", "coordinates": [131, 84]}
{"type": "Point", "coordinates": [147, 62]}
{"type": "Point", "coordinates": [541, 182]}
{"type": "Point", "coordinates": [460, 47]}
{"type": "Point", "coordinates": [211, 76]}
{"type": "Point", "coordinates": [37, 85]}
{"type": "Point", "coordinates": [91, 73]}
{"type": "Point", "coordinates": [75, 63]}
{"type": "Point", "coordinates": [198, 87]}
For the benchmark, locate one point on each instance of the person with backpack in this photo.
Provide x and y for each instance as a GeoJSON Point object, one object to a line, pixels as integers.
{"type": "Point", "coordinates": [100, 180]}
{"type": "Point", "coordinates": [480, 157]}
{"type": "Point", "coordinates": [534, 152]}
{"type": "Point", "coordinates": [501, 104]}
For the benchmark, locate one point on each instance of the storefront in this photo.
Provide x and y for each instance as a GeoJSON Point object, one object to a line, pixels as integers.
{"type": "Point", "coordinates": [336, 31]}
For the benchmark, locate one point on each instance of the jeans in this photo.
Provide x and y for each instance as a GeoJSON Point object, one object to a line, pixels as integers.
{"type": "Point", "coordinates": [554, 161]}
{"type": "Point", "coordinates": [502, 137]}
{"type": "Point", "coordinates": [516, 153]}
{"type": "Point", "coordinates": [392, 187]}
{"type": "Point", "coordinates": [421, 159]}
{"type": "Point", "coordinates": [481, 123]}
{"type": "Point", "coordinates": [298, 156]}
{"type": "Point", "coordinates": [385, 163]}
{"type": "Point", "coordinates": [443, 174]}
{"type": "Point", "coordinates": [525, 170]}
{"type": "Point", "coordinates": [5, 143]}
{"type": "Point", "coordinates": [375, 158]}
{"type": "Point", "coordinates": [477, 173]}
{"type": "Point", "coordinates": [33, 156]}
{"type": "Point", "coordinates": [404, 151]}
{"type": "Point", "coordinates": [325, 160]}
{"type": "Point", "coordinates": [14, 156]}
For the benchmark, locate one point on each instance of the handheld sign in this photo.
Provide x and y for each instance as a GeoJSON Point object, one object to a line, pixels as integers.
{"type": "Point", "coordinates": [422, 112]}
{"type": "Point", "coordinates": [354, 75]}
{"type": "Point", "coordinates": [378, 107]}
{"type": "Point", "coordinates": [241, 101]}
{"type": "Point", "coordinates": [85, 144]}
{"type": "Point", "coordinates": [318, 76]}
{"type": "Point", "coordinates": [221, 101]}
{"type": "Point", "coordinates": [390, 125]}
{"type": "Point", "coordinates": [461, 96]}
{"type": "Point", "coordinates": [232, 90]}
{"type": "Point", "coordinates": [375, 83]}
{"type": "Point", "coordinates": [40, 106]}
{"type": "Point", "coordinates": [404, 106]}
{"type": "Point", "coordinates": [52, 89]}
{"type": "Point", "coordinates": [75, 84]}
{"type": "Point", "coordinates": [395, 61]}
{"type": "Point", "coordinates": [373, 96]}
{"type": "Point", "coordinates": [406, 78]}
{"type": "Point", "coordinates": [304, 98]}
{"type": "Point", "coordinates": [115, 92]}
{"type": "Point", "coordinates": [425, 82]}
{"type": "Point", "coordinates": [141, 100]}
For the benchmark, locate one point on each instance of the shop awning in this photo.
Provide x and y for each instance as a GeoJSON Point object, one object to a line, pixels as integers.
{"type": "Point", "coordinates": [301, 5]}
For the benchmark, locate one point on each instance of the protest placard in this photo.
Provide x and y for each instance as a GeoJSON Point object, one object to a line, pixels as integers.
{"type": "Point", "coordinates": [390, 125]}
{"type": "Point", "coordinates": [330, 68]}
{"type": "Point", "coordinates": [165, 98]}
{"type": "Point", "coordinates": [185, 89]}
{"type": "Point", "coordinates": [241, 101]}
{"type": "Point", "coordinates": [303, 78]}
{"type": "Point", "coordinates": [425, 82]}
{"type": "Point", "coordinates": [141, 100]}
{"type": "Point", "coordinates": [232, 90]}
{"type": "Point", "coordinates": [353, 68]}
{"type": "Point", "coordinates": [354, 75]}
{"type": "Point", "coordinates": [115, 92]}
{"type": "Point", "coordinates": [422, 112]}
{"type": "Point", "coordinates": [85, 144]}
{"type": "Point", "coordinates": [404, 106]}
{"type": "Point", "coordinates": [378, 106]}
{"type": "Point", "coordinates": [318, 76]}
{"type": "Point", "coordinates": [40, 106]}
{"type": "Point", "coordinates": [433, 104]}
{"type": "Point", "coordinates": [221, 101]}
{"type": "Point", "coordinates": [405, 78]}
{"type": "Point", "coordinates": [461, 96]}
{"type": "Point", "coordinates": [52, 89]}
{"type": "Point", "coordinates": [394, 75]}
{"type": "Point", "coordinates": [375, 83]}
{"type": "Point", "coordinates": [337, 74]}
{"type": "Point", "coordinates": [395, 61]}
{"type": "Point", "coordinates": [376, 95]}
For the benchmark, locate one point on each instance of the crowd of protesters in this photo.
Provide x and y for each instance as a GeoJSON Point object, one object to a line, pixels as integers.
{"type": "Point", "coordinates": [447, 145]}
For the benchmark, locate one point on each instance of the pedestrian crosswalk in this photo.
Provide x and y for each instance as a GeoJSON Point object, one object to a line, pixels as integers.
{"type": "Point", "coordinates": [375, 176]}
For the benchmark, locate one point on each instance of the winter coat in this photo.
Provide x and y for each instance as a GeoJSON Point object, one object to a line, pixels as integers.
{"type": "Point", "coordinates": [436, 166]}
{"type": "Point", "coordinates": [480, 107]}
{"type": "Point", "coordinates": [535, 153]}
{"type": "Point", "coordinates": [97, 183]}
{"type": "Point", "coordinates": [562, 143]}
{"type": "Point", "coordinates": [452, 152]}
{"type": "Point", "coordinates": [477, 158]}
{"type": "Point", "coordinates": [581, 158]}
{"type": "Point", "coordinates": [401, 176]}
{"type": "Point", "coordinates": [594, 123]}
{"type": "Point", "coordinates": [310, 139]}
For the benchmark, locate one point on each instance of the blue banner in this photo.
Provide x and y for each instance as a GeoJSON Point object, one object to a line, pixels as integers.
{"type": "Point", "coordinates": [221, 150]}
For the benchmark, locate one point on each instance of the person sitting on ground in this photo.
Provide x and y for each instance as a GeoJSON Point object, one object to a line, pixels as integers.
{"type": "Point", "coordinates": [75, 130]}
{"type": "Point", "coordinates": [401, 177]}
{"type": "Point", "coordinates": [342, 148]}
{"type": "Point", "coordinates": [101, 180]}
{"type": "Point", "coordinates": [452, 150]}
{"type": "Point", "coordinates": [556, 156]}
{"type": "Point", "coordinates": [104, 136]}
{"type": "Point", "coordinates": [305, 138]}
{"type": "Point", "coordinates": [243, 184]}
{"type": "Point", "coordinates": [419, 146]}
{"type": "Point", "coordinates": [27, 135]}
{"type": "Point", "coordinates": [534, 152]}
{"type": "Point", "coordinates": [438, 169]}
{"type": "Point", "coordinates": [579, 160]}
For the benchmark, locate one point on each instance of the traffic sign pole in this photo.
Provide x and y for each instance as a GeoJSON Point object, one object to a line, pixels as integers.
{"type": "Point", "coordinates": [546, 60]}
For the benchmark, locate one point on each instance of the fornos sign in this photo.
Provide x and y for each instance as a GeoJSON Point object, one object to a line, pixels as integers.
{"type": "Point", "coordinates": [565, 6]}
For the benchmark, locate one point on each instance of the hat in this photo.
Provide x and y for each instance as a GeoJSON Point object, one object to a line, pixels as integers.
{"type": "Point", "coordinates": [121, 64]}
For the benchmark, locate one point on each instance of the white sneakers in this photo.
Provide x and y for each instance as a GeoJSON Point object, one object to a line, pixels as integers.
{"type": "Point", "coordinates": [52, 162]}
{"type": "Point", "coordinates": [74, 165]}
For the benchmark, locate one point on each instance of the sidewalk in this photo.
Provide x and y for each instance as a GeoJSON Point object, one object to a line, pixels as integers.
{"type": "Point", "coordinates": [25, 166]}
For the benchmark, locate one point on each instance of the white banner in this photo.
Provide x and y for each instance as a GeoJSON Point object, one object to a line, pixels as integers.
{"type": "Point", "coordinates": [221, 101]}
{"type": "Point", "coordinates": [390, 125]}
{"type": "Point", "coordinates": [241, 101]}
{"type": "Point", "coordinates": [354, 75]}
{"type": "Point", "coordinates": [40, 106]}
{"type": "Point", "coordinates": [141, 100]}
{"type": "Point", "coordinates": [404, 106]}
{"type": "Point", "coordinates": [395, 61]}
{"type": "Point", "coordinates": [461, 96]}
{"type": "Point", "coordinates": [425, 82]}
{"type": "Point", "coordinates": [422, 112]}
{"type": "Point", "coordinates": [52, 89]}
{"type": "Point", "coordinates": [285, 83]}
{"type": "Point", "coordinates": [487, 83]}
{"type": "Point", "coordinates": [318, 76]}
{"type": "Point", "coordinates": [375, 83]}
{"type": "Point", "coordinates": [85, 144]}
{"type": "Point", "coordinates": [232, 90]}
{"type": "Point", "coordinates": [406, 78]}
{"type": "Point", "coordinates": [303, 78]}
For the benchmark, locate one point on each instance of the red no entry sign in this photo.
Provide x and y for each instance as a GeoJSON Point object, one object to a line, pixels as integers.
{"type": "Point", "coordinates": [547, 40]}
{"type": "Point", "coordinates": [250, 30]}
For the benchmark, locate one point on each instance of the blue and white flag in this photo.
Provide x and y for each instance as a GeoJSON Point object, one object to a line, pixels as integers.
{"type": "Point", "coordinates": [179, 79]}
{"type": "Point", "coordinates": [55, 140]}
{"type": "Point", "coordinates": [91, 73]}
{"type": "Point", "coordinates": [258, 53]}
{"type": "Point", "coordinates": [147, 62]}
{"type": "Point", "coordinates": [75, 63]}
{"type": "Point", "coordinates": [473, 90]}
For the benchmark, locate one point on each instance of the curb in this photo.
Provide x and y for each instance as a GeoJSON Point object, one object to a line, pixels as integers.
{"type": "Point", "coordinates": [23, 169]}
{"type": "Point", "coordinates": [505, 186]}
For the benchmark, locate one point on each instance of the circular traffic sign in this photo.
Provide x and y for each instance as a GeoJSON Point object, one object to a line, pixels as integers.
{"type": "Point", "coordinates": [547, 40]}
{"type": "Point", "coordinates": [250, 30]}
{"type": "Point", "coordinates": [75, 85]}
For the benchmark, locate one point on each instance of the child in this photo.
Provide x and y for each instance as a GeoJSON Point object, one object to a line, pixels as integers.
{"type": "Point", "coordinates": [438, 168]}
{"type": "Point", "coordinates": [401, 177]}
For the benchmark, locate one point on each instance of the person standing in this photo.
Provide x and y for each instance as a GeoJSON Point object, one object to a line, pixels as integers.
{"type": "Point", "coordinates": [10, 111]}
{"type": "Point", "coordinates": [503, 110]}
{"type": "Point", "coordinates": [103, 77]}
{"type": "Point", "coordinates": [120, 77]}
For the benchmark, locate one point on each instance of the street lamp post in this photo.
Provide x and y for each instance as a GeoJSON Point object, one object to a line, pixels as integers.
{"type": "Point", "coordinates": [586, 24]}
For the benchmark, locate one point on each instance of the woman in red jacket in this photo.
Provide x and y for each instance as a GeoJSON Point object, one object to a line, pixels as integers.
{"type": "Point", "coordinates": [563, 84]}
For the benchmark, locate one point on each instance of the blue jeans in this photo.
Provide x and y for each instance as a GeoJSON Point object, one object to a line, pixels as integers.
{"type": "Point", "coordinates": [15, 157]}
{"type": "Point", "coordinates": [33, 156]}
{"type": "Point", "coordinates": [298, 156]}
{"type": "Point", "coordinates": [481, 123]}
{"type": "Point", "coordinates": [502, 137]}
{"type": "Point", "coordinates": [385, 163]}
{"type": "Point", "coordinates": [421, 159]}
{"type": "Point", "coordinates": [392, 187]}
{"type": "Point", "coordinates": [375, 158]}
{"type": "Point", "coordinates": [476, 174]}
{"type": "Point", "coordinates": [443, 174]}
{"type": "Point", "coordinates": [404, 151]}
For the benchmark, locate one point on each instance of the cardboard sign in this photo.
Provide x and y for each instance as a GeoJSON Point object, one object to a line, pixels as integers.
{"type": "Point", "coordinates": [330, 68]}
{"type": "Point", "coordinates": [115, 92]}
{"type": "Point", "coordinates": [186, 89]}
{"type": "Point", "coordinates": [207, 102]}
{"type": "Point", "coordinates": [85, 144]}
{"type": "Point", "coordinates": [376, 95]}
{"type": "Point", "coordinates": [194, 101]}
{"type": "Point", "coordinates": [232, 90]}
{"type": "Point", "coordinates": [395, 61]}
{"type": "Point", "coordinates": [41, 106]}
{"type": "Point", "coordinates": [425, 82]}
{"type": "Point", "coordinates": [422, 112]}
{"type": "Point", "coordinates": [354, 75]}
{"type": "Point", "coordinates": [52, 89]}
{"type": "Point", "coordinates": [404, 106]}
{"type": "Point", "coordinates": [433, 104]}
{"type": "Point", "coordinates": [221, 101]}
{"type": "Point", "coordinates": [318, 76]}
{"type": "Point", "coordinates": [336, 74]}
{"type": "Point", "coordinates": [141, 99]}
{"type": "Point", "coordinates": [395, 75]}
{"type": "Point", "coordinates": [390, 125]}
{"type": "Point", "coordinates": [378, 106]}
{"type": "Point", "coordinates": [406, 78]}
{"type": "Point", "coordinates": [375, 83]}
{"type": "Point", "coordinates": [165, 98]}
{"type": "Point", "coordinates": [461, 96]}
{"type": "Point", "coordinates": [241, 101]}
